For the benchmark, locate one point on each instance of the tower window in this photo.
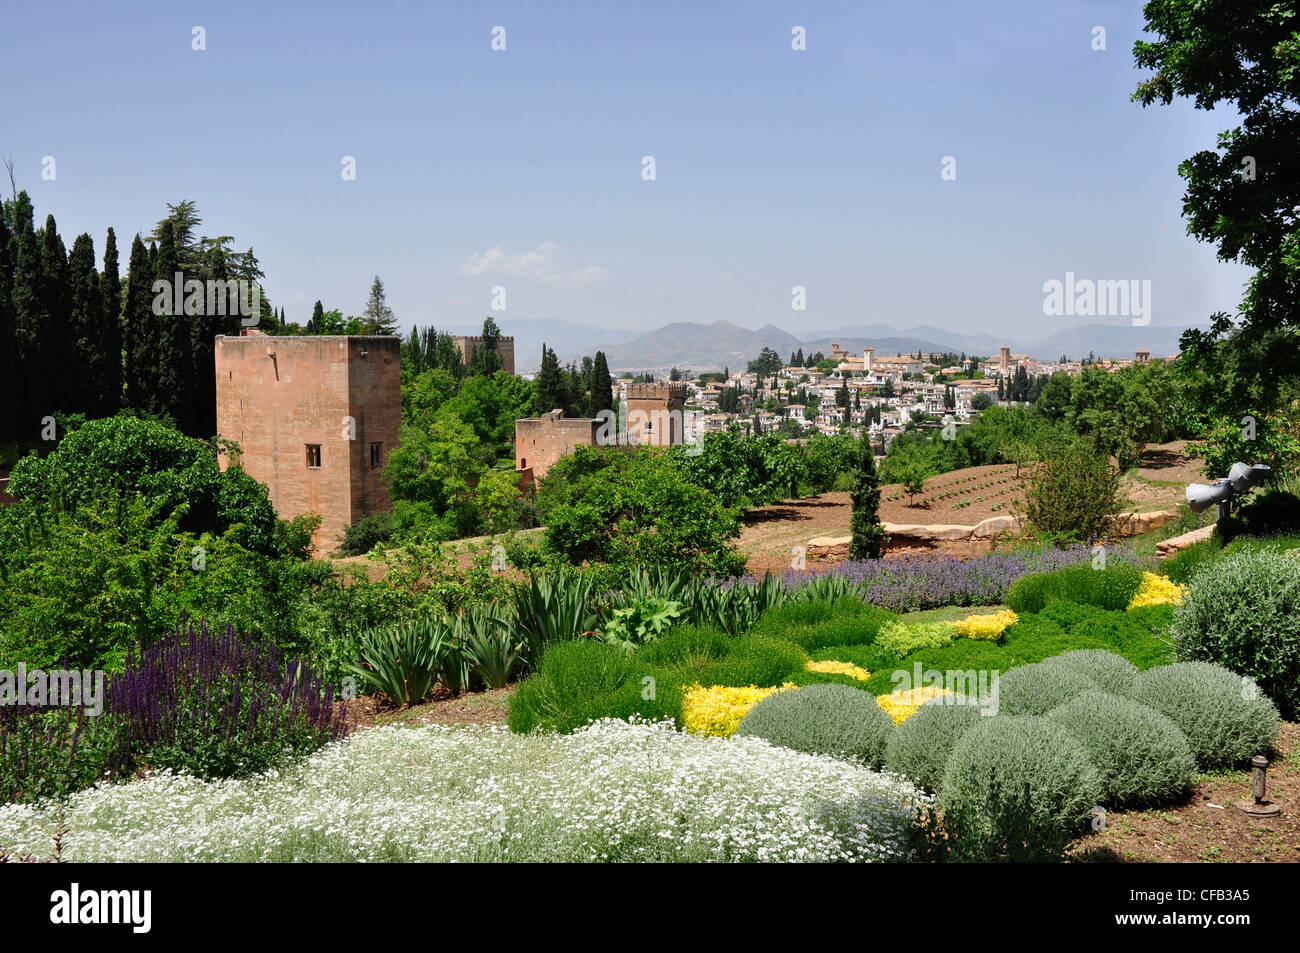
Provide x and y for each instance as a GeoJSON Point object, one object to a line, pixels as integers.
{"type": "Point", "coordinates": [313, 456]}
{"type": "Point", "coordinates": [376, 455]}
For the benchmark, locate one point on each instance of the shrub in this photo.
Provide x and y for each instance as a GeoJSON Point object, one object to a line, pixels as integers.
{"type": "Point", "coordinates": [901, 703]}
{"type": "Point", "coordinates": [919, 747]}
{"type": "Point", "coordinates": [1073, 494]}
{"type": "Point", "coordinates": [1111, 588]}
{"type": "Point", "coordinates": [218, 706]}
{"type": "Point", "coordinates": [687, 644]}
{"type": "Point", "coordinates": [1244, 613]}
{"type": "Point", "coordinates": [988, 627]}
{"type": "Point", "coordinates": [553, 608]}
{"type": "Point", "coordinates": [1109, 672]}
{"type": "Point", "coordinates": [492, 653]}
{"type": "Point", "coordinates": [816, 625]}
{"type": "Point", "coordinates": [569, 688]}
{"type": "Point", "coordinates": [1038, 688]}
{"type": "Point", "coordinates": [1016, 789]}
{"type": "Point", "coordinates": [1138, 634]}
{"type": "Point", "coordinates": [823, 719]}
{"type": "Point", "coordinates": [1224, 716]}
{"type": "Point", "coordinates": [757, 660]}
{"type": "Point", "coordinates": [362, 536]}
{"type": "Point", "coordinates": [903, 638]}
{"type": "Point", "coordinates": [1142, 757]}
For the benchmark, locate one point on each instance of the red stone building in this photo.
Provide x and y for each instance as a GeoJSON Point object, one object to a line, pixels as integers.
{"type": "Point", "coordinates": [315, 419]}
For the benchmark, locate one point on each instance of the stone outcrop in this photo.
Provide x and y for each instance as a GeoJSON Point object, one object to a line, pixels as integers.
{"type": "Point", "coordinates": [1170, 546]}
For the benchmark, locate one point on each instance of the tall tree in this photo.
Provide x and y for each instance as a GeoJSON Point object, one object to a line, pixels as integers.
{"type": "Point", "coordinates": [317, 313]}
{"type": "Point", "coordinates": [139, 334]}
{"type": "Point", "coordinates": [602, 387]}
{"type": "Point", "coordinates": [175, 392]}
{"type": "Point", "coordinates": [31, 400]}
{"type": "Point", "coordinates": [550, 384]}
{"type": "Point", "coordinates": [85, 365]}
{"type": "Point", "coordinates": [1242, 196]}
{"type": "Point", "coordinates": [8, 340]}
{"type": "Point", "coordinates": [110, 285]}
{"type": "Point", "coordinates": [486, 361]}
{"type": "Point", "coordinates": [867, 536]}
{"type": "Point", "coordinates": [378, 316]}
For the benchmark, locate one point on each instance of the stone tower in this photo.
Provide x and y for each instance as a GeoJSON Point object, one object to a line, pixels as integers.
{"type": "Point", "coordinates": [655, 413]}
{"type": "Point", "coordinates": [315, 419]}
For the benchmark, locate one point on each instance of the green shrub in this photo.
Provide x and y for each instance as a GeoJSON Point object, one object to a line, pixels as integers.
{"type": "Point", "coordinates": [919, 747]}
{"type": "Point", "coordinates": [757, 660]}
{"type": "Point", "coordinates": [823, 719]}
{"type": "Point", "coordinates": [362, 536]}
{"type": "Point", "coordinates": [1138, 634]}
{"type": "Point", "coordinates": [569, 688]}
{"type": "Point", "coordinates": [816, 624]}
{"type": "Point", "coordinates": [1225, 717]}
{"type": "Point", "coordinates": [1073, 494]}
{"type": "Point", "coordinates": [1108, 671]}
{"type": "Point", "coordinates": [1182, 565]}
{"type": "Point", "coordinates": [1142, 757]}
{"type": "Point", "coordinates": [904, 638]}
{"type": "Point", "coordinates": [686, 644]}
{"type": "Point", "coordinates": [1109, 588]}
{"type": "Point", "coordinates": [1038, 688]}
{"type": "Point", "coordinates": [1244, 613]}
{"type": "Point", "coordinates": [1016, 789]}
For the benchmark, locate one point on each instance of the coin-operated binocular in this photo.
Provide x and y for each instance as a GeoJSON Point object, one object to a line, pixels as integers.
{"type": "Point", "coordinates": [1221, 493]}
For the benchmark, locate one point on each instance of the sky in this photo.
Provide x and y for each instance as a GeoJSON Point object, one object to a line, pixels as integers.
{"type": "Point", "coordinates": [523, 168]}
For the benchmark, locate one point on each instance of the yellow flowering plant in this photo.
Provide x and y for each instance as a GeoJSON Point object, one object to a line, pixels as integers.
{"type": "Point", "coordinates": [832, 667]}
{"type": "Point", "coordinates": [902, 703]}
{"type": "Point", "coordinates": [718, 709]}
{"type": "Point", "coordinates": [1157, 590]}
{"type": "Point", "coordinates": [987, 627]}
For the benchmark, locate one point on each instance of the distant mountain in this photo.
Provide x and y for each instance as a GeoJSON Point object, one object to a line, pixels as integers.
{"type": "Point", "coordinates": [705, 347]}
{"type": "Point", "coordinates": [568, 340]}
{"type": "Point", "coordinates": [698, 347]}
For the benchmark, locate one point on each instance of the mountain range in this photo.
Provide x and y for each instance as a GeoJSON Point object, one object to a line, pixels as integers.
{"type": "Point", "coordinates": [705, 347]}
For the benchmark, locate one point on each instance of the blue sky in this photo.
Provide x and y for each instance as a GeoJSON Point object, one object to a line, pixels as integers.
{"type": "Point", "coordinates": [522, 168]}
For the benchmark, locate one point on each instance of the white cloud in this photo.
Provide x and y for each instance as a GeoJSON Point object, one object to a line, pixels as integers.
{"type": "Point", "coordinates": [538, 265]}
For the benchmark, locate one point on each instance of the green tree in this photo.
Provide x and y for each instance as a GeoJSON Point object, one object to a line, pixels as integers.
{"type": "Point", "coordinates": [767, 362]}
{"type": "Point", "coordinates": [174, 395]}
{"type": "Point", "coordinates": [1242, 196]}
{"type": "Point", "coordinates": [485, 361]}
{"type": "Point", "coordinates": [9, 395]}
{"type": "Point", "coordinates": [139, 331]}
{"type": "Point", "coordinates": [602, 387]}
{"type": "Point", "coordinates": [550, 385]}
{"type": "Point", "coordinates": [111, 294]}
{"type": "Point", "coordinates": [867, 535]}
{"type": "Point", "coordinates": [377, 317]}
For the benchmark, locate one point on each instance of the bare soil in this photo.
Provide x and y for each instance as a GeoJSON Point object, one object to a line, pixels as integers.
{"type": "Point", "coordinates": [964, 497]}
{"type": "Point", "coordinates": [488, 707]}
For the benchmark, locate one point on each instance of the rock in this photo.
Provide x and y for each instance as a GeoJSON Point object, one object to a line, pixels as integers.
{"type": "Point", "coordinates": [1169, 546]}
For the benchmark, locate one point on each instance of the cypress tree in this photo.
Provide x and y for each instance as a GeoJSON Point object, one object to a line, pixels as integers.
{"type": "Point", "coordinates": [602, 387]}
{"type": "Point", "coordinates": [30, 386]}
{"type": "Point", "coordinates": [84, 361]}
{"type": "Point", "coordinates": [8, 339]}
{"type": "Point", "coordinates": [110, 293]}
{"type": "Point", "coordinates": [138, 332]}
{"type": "Point", "coordinates": [867, 535]}
{"type": "Point", "coordinates": [550, 385]}
{"type": "Point", "coordinates": [317, 316]}
{"type": "Point", "coordinates": [175, 391]}
{"type": "Point", "coordinates": [56, 342]}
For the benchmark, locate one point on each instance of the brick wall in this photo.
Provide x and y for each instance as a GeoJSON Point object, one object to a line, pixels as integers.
{"type": "Point", "coordinates": [541, 441]}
